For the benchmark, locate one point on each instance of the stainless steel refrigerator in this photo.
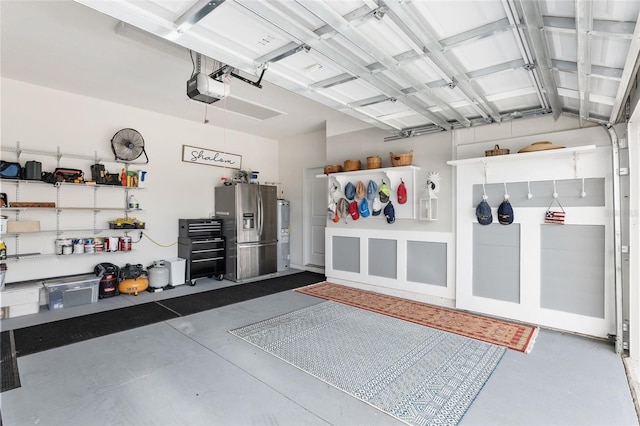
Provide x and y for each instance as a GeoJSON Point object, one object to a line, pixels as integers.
{"type": "Point", "coordinates": [250, 227]}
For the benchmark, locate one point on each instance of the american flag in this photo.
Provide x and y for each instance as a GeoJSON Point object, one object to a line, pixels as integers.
{"type": "Point", "coordinates": [554, 217]}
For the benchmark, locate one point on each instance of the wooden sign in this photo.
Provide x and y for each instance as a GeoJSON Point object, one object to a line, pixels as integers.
{"type": "Point", "coordinates": [193, 154]}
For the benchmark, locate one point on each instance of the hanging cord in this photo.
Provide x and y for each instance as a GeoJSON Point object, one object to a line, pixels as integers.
{"type": "Point", "coordinates": [484, 193]}
{"type": "Point", "coordinates": [155, 242]}
{"type": "Point", "coordinates": [506, 194]}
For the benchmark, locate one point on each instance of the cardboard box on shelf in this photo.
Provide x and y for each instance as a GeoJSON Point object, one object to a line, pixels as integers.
{"type": "Point", "coordinates": [14, 226]}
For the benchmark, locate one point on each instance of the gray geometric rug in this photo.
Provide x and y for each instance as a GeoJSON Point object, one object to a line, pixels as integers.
{"type": "Point", "coordinates": [417, 374]}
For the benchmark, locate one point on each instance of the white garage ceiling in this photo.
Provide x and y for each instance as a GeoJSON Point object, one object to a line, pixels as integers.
{"type": "Point", "coordinates": [413, 67]}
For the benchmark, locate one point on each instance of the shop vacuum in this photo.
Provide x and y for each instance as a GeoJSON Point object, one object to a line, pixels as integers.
{"type": "Point", "coordinates": [108, 273]}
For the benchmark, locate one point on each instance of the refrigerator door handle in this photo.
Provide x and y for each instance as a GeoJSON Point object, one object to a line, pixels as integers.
{"type": "Point", "coordinates": [260, 212]}
{"type": "Point", "coordinates": [257, 244]}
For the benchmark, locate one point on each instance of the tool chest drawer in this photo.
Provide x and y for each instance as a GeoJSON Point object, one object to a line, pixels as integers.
{"type": "Point", "coordinates": [201, 243]}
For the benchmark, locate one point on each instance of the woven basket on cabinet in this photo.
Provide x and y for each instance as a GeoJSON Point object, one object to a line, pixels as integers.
{"type": "Point", "coordinates": [401, 159]}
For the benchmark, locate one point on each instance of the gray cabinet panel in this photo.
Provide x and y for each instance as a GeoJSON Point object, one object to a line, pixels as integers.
{"type": "Point", "coordinates": [427, 262]}
{"type": "Point", "coordinates": [572, 269]}
{"type": "Point", "coordinates": [383, 255]}
{"type": "Point", "coordinates": [496, 261]}
{"type": "Point", "coordinates": [346, 254]}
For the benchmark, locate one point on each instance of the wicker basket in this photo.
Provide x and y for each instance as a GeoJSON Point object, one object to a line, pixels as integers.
{"type": "Point", "coordinates": [374, 162]}
{"type": "Point", "coordinates": [332, 168]}
{"type": "Point", "coordinates": [401, 159]}
{"type": "Point", "coordinates": [351, 165]}
{"type": "Point", "coordinates": [496, 151]}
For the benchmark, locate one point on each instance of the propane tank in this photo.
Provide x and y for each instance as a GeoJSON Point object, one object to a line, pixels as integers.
{"type": "Point", "coordinates": [158, 274]}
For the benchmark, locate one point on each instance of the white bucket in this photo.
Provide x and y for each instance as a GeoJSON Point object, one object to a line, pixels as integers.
{"type": "Point", "coordinates": [64, 246]}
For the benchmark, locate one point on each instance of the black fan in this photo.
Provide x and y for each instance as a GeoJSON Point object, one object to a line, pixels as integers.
{"type": "Point", "coordinates": [128, 145]}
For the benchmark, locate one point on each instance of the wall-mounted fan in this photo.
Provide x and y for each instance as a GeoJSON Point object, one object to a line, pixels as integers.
{"type": "Point", "coordinates": [128, 145]}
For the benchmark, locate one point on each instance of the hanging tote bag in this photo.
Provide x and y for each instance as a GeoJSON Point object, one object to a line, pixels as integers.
{"type": "Point", "coordinates": [554, 215]}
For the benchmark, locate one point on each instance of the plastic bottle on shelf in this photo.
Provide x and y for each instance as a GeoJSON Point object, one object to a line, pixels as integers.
{"type": "Point", "coordinates": [133, 203]}
{"type": "Point", "coordinates": [3, 250]}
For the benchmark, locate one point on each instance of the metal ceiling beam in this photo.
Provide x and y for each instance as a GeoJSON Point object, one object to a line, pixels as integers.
{"type": "Point", "coordinates": [267, 12]}
{"type": "Point", "coordinates": [538, 48]}
{"type": "Point", "coordinates": [282, 53]}
{"type": "Point", "coordinates": [597, 71]}
{"type": "Point", "coordinates": [371, 101]}
{"type": "Point", "coordinates": [584, 25]}
{"type": "Point", "coordinates": [421, 31]}
{"type": "Point", "coordinates": [507, 116]}
{"type": "Point", "coordinates": [475, 34]}
{"type": "Point", "coordinates": [600, 28]}
{"type": "Point", "coordinates": [575, 94]}
{"type": "Point", "coordinates": [342, 26]}
{"type": "Point", "coordinates": [333, 81]}
{"type": "Point", "coordinates": [195, 13]}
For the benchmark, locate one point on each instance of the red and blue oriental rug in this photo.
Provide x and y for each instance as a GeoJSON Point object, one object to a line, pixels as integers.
{"type": "Point", "coordinates": [519, 337]}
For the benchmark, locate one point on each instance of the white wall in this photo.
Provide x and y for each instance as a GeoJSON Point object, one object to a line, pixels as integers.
{"type": "Point", "coordinates": [42, 118]}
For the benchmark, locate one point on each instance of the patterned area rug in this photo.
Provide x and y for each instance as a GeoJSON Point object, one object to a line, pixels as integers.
{"type": "Point", "coordinates": [519, 337]}
{"type": "Point", "coordinates": [417, 374]}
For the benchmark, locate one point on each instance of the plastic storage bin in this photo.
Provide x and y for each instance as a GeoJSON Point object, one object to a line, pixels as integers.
{"type": "Point", "coordinates": [71, 291]}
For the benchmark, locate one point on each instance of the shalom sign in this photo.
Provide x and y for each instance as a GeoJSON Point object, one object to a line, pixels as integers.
{"type": "Point", "coordinates": [193, 154]}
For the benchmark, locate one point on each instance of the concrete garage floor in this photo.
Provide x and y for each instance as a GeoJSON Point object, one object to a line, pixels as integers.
{"type": "Point", "coordinates": [191, 371]}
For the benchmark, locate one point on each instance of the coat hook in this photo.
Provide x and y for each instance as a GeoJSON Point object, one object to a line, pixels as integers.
{"type": "Point", "coordinates": [506, 194]}
{"type": "Point", "coordinates": [583, 193]}
{"type": "Point", "coordinates": [529, 194]}
{"type": "Point", "coordinates": [555, 193]}
{"type": "Point", "coordinates": [484, 193]}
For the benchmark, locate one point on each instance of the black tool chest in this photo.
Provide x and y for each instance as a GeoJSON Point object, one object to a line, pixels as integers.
{"type": "Point", "coordinates": [201, 243]}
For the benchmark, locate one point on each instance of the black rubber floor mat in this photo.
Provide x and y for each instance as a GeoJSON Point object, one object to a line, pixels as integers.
{"type": "Point", "coordinates": [9, 362]}
{"type": "Point", "coordinates": [55, 334]}
{"type": "Point", "coordinates": [289, 282]}
{"type": "Point", "coordinates": [198, 302]}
